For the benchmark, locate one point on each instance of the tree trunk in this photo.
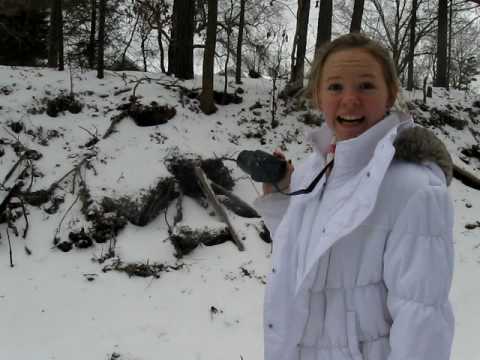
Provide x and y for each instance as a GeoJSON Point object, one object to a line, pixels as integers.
{"type": "Point", "coordinates": [144, 53]}
{"type": "Point", "coordinates": [300, 45]}
{"type": "Point", "coordinates": [442, 44]}
{"type": "Point", "coordinates": [93, 31]}
{"type": "Point", "coordinates": [411, 51]}
{"type": "Point", "coordinates": [181, 44]}
{"type": "Point", "coordinates": [129, 42]}
{"type": "Point", "coordinates": [173, 39]}
{"type": "Point", "coordinates": [101, 38]}
{"type": "Point", "coordinates": [324, 28]}
{"type": "Point", "coordinates": [450, 32]}
{"type": "Point", "coordinates": [356, 24]}
{"type": "Point", "coordinates": [160, 42]}
{"type": "Point", "coordinates": [241, 25]}
{"type": "Point", "coordinates": [61, 62]}
{"type": "Point", "coordinates": [206, 98]}
{"type": "Point", "coordinates": [53, 35]}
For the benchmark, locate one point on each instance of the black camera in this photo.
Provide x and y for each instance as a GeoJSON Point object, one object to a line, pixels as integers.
{"type": "Point", "coordinates": [262, 166]}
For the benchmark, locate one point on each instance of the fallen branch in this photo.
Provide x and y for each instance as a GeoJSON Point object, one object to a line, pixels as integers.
{"type": "Point", "coordinates": [216, 205]}
{"type": "Point", "coordinates": [10, 248]}
{"type": "Point", "coordinates": [466, 177]}
{"type": "Point", "coordinates": [115, 120]}
{"type": "Point", "coordinates": [12, 170]}
{"type": "Point", "coordinates": [233, 202]}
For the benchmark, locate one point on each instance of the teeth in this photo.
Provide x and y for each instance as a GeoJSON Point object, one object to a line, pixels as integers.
{"type": "Point", "coordinates": [350, 118]}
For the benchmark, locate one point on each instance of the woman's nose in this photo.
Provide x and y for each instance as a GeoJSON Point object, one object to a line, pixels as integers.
{"type": "Point", "coordinates": [350, 98]}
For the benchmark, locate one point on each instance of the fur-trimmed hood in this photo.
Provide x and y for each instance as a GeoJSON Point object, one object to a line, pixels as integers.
{"type": "Point", "coordinates": [420, 145]}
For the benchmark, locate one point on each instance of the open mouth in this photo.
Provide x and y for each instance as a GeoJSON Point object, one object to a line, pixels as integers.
{"type": "Point", "coordinates": [350, 120]}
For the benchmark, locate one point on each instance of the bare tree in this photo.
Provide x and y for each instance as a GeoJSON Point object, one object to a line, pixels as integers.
{"type": "Point", "coordinates": [324, 28]}
{"type": "Point", "coordinates": [53, 36]}
{"type": "Point", "coordinates": [158, 19]}
{"type": "Point", "coordinates": [101, 39]}
{"type": "Point", "coordinates": [442, 45]}
{"type": "Point", "coordinates": [411, 49]}
{"type": "Point", "coordinates": [93, 31]}
{"type": "Point", "coordinates": [356, 24]}
{"type": "Point", "coordinates": [228, 23]}
{"type": "Point", "coordinates": [390, 22]}
{"type": "Point", "coordinates": [180, 56]}
{"type": "Point", "coordinates": [61, 62]}
{"type": "Point", "coordinates": [299, 49]}
{"type": "Point", "coordinates": [241, 25]}
{"type": "Point", "coordinates": [207, 104]}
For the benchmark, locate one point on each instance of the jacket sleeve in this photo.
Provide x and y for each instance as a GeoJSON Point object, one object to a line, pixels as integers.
{"type": "Point", "coordinates": [418, 269]}
{"type": "Point", "coordinates": [272, 207]}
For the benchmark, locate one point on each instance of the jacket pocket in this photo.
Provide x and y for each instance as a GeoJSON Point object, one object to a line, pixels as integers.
{"type": "Point", "coordinates": [352, 336]}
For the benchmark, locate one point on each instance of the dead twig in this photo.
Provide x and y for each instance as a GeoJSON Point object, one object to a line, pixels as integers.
{"type": "Point", "coordinates": [10, 248]}
{"type": "Point", "coordinates": [22, 204]}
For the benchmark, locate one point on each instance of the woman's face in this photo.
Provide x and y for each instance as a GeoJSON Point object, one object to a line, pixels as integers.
{"type": "Point", "coordinates": [353, 93]}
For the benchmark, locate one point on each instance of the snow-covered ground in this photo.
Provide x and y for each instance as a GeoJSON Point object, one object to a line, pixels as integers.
{"type": "Point", "coordinates": [206, 305]}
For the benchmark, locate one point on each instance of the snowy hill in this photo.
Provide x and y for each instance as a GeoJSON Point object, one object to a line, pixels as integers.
{"type": "Point", "coordinates": [87, 283]}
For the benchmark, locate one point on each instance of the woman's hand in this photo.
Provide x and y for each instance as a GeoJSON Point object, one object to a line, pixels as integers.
{"type": "Point", "coordinates": [283, 184]}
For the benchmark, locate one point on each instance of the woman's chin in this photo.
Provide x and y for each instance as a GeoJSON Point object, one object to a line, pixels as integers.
{"type": "Point", "coordinates": [348, 131]}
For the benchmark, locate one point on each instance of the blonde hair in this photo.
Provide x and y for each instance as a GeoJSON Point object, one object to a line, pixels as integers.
{"type": "Point", "coordinates": [347, 42]}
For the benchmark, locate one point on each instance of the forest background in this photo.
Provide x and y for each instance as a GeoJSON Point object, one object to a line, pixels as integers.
{"type": "Point", "coordinates": [433, 42]}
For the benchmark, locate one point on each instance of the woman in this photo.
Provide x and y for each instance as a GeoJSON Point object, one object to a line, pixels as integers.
{"type": "Point", "coordinates": [362, 265]}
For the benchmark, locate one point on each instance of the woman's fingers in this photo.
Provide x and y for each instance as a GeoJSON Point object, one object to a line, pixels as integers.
{"type": "Point", "coordinates": [278, 153]}
{"type": "Point", "coordinates": [283, 184]}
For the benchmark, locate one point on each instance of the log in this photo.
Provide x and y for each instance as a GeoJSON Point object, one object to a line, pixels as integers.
{"type": "Point", "coordinates": [466, 177]}
{"type": "Point", "coordinates": [212, 199]}
{"type": "Point", "coordinates": [233, 202]}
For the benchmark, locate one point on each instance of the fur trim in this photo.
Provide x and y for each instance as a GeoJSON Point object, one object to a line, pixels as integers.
{"type": "Point", "coordinates": [419, 145]}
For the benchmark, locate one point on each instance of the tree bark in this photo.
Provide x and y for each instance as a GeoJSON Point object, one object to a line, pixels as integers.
{"type": "Point", "coordinates": [101, 39]}
{"type": "Point", "coordinates": [299, 49]}
{"type": "Point", "coordinates": [93, 31]}
{"type": "Point", "coordinates": [411, 51]}
{"type": "Point", "coordinates": [129, 42]}
{"type": "Point", "coordinates": [206, 98]}
{"type": "Point", "coordinates": [61, 62]}
{"type": "Point", "coordinates": [160, 42]}
{"type": "Point", "coordinates": [241, 25]}
{"type": "Point", "coordinates": [324, 28]}
{"type": "Point", "coordinates": [181, 46]}
{"type": "Point", "coordinates": [356, 24]}
{"type": "Point", "coordinates": [53, 35]}
{"type": "Point", "coordinates": [450, 32]}
{"type": "Point", "coordinates": [173, 39]}
{"type": "Point", "coordinates": [442, 44]}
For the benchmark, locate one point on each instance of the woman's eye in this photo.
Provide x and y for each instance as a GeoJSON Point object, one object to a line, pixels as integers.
{"type": "Point", "coordinates": [367, 86]}
{"type": "Point", "coordinates": [335, 87]}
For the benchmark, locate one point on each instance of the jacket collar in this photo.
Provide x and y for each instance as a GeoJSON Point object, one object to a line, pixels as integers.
{"type": "Point", "coordinates": [354, 154]}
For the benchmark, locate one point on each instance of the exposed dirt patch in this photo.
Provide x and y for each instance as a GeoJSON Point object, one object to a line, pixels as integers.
{"type": "Point", "coordinates": [141, 269]}
{"type": "Point", "coordinates": [151, 115]}
{"type": "Point", "coordinates": [62, 103]}
{"type": "Point", "coordinates": [186, 239]}
{"type": "Point", "coordinates": [147, 206]}
{"type": "Point", "coordinates": [222, 98]}
{"type": "Point", "coordinates": [311, 119]}
{"type": "Point", "coordinates": [182, 169]}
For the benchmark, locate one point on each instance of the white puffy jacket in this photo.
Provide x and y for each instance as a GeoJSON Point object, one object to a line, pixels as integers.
{"type": "Point", "coordinates": [362, 266]}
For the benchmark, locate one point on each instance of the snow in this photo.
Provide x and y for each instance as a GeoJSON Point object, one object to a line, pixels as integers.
{"type": "Point", "coordinates": [208, 304]}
